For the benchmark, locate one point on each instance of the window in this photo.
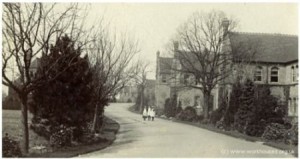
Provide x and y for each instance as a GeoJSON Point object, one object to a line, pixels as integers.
{"type": "Point", "coordinates": [163, 78]}
{"type": "Point", "coordinates": [290, 105]}
{"type": "Point", "coordinates": [296, 70]}
{"type": "Point", "coordinates": [274, 74]}
{"type": "Point", "coordinates": [258, 74]}
{"type": "Point", "coordinates": [293, 74]}
{"type": "Point", "coordinates": [295, 106]}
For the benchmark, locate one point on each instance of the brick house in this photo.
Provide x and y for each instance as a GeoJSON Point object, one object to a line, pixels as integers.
{"type": "Point", "coordinates": [275, 63]}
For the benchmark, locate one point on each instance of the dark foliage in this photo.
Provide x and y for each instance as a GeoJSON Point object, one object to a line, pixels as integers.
{"type": "Point", "coordinates": [10, 147]}
{"type": "Point", "coordinates": [65, 99]}
{"type": "Point", "coordinates": [291, 135]}
{"type": "Point", "coordinates": [274, 132]}
{"type": "Point", "coordinates": [246, 110]}
{"type": "Point", "coordinates": [171, 106]}
{"type": "Point", "coordinates": [216, 115]}
{"type": "Point", "coordinates": [11, 102]}
{"type": "Point", "coordinates": [61, 137]}
{"type": "Point", "coordinates": [234, 103]}
{"type": "Point", "coordinates": [129, 100]}
{"type": "Point", "coordinates": [188, 114]}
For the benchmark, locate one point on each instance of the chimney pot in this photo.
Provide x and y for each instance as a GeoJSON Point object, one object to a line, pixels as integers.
{"type": "Point", "coordinates": [225, 25]}
{"type": "Point", "coordinates": [157, 53]}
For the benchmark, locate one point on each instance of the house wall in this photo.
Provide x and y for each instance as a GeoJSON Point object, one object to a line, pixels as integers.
{"type": "Point", "coordinates": [277, 88]}
{"type": "Point", "coordinates": [194, 97]}
{"type": "Point", "coordinates": [162, 92]}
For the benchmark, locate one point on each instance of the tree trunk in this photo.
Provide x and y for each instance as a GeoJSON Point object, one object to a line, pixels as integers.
{"type": "Point", "coordinates": [142, 100]}
{"type": "Point", "coordinates": [25, 143]}
{"type": "Point", "coordinates": [206, 104]}
{"type": "Point", "coordinates": [96, 118]}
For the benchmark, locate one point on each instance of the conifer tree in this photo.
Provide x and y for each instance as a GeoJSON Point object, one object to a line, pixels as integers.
{"type": "Point", "coordinates": [63, 96]}
{"type": "Point", "coordinates": [246, 110]}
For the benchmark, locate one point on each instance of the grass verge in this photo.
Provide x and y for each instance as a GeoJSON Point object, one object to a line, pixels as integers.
{"type": "Point", "coordinates": [11, 124]}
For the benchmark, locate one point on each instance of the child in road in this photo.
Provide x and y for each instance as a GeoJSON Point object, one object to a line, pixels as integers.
{"type": "Point", "coordinates": [149, 113]}
{"type": "Point", "coordinates": [152, 114]}
{"type": "Point", "coordinates": [145, 114]}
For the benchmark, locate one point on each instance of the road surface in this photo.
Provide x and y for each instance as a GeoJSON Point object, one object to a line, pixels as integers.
{"type": "Point", "coordinates": [163, 138]}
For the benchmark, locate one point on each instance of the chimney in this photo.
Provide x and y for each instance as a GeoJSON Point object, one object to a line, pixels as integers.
{"type": "Point", "coordinates": [225, 25]}
{"type": "Point", "coordinates": [176, 45]}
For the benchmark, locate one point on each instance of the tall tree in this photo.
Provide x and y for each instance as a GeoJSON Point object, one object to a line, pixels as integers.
{"type": "Point", "coordinates": [28, 30]}
{"type": "Point", "coordinates": [200, 54]}
{"type": "Point", "coordinates": [66, 99]}
{"type": "Point", "coordinates": [110, 56]}
{"type": "Point", "coordinates": [246, 111]}
{"type": "Point", "coordinates": [140, 78]}
{"type": "Point", "coordinates": [203, 54]}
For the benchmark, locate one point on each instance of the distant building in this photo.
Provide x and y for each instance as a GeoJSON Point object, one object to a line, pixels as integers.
{"type": "Point", "coordinates": [275, 63]}
{"type": "Point", "coordinates": [12, 100]}
{"type": "Point", "coordinates": [128, 94]}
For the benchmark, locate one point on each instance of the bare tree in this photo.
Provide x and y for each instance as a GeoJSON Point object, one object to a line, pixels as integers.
{"type": "Point", "coordinates": [28, 31]}
{"type": "Point", "coordinates": [141, 72]}
{"type": "Point", "coordinates": [111, 61]}
{"type": "Point", "coordinates": [203, 54]}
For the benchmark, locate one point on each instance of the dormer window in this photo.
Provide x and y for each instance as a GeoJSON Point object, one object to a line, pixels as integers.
{"type": "Point", "coordinates": [274, 74]}
{"type": "Point", "coordinates": [258, 74]}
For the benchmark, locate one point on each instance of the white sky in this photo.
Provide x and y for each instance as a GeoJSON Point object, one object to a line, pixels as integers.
{"type": "Point", "coordinates": [154, 24]}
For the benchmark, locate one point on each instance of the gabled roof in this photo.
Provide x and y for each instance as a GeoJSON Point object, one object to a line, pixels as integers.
{"type": "Point", "coordinates": [165, 64]}
{"type": "Point", "coordinates": [275, 48]}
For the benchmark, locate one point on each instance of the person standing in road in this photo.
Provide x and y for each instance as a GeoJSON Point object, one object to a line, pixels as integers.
{"type": "Point", "coordinates": [152, 114]}
{"type": "Point", "coordinates": [145, 114]}
{"type": "Point", "coordinates": [149, 113]}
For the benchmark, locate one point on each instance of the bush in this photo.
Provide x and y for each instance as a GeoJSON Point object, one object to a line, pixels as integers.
{"type": "Point", "coordinates": [274, 132]}
{"type": "Point", "coordinates": [291, 135]}
{"type": "Point", "coordinates": [61, 137]}
{"type": "Point", "coordinates": [41, 130]}
{"type": "Point", "coordinates": [10, 147]}
{"type": "Point", "coordinates": [255, 130]}
{"type": "Point", "coordinates": [171, 106]}
{"type": "Point", "coordinates": [67, 99]}
{"type": "Point", "coordinates": [129, 100]}
{"type": "Point", "coordinates": [216, 116]}
{"type": "Point", "coordinates": [188, 114]}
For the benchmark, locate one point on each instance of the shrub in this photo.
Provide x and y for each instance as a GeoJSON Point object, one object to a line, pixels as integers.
{"type": "Point", "coordinates": [291, 135]}
{"type": "Point", "coordinates": [61, 137]}
{"type": "Point", "coordinates": [274, 132]}
{"type": "Point", "coordinates": [188, 114]}
{"type": "Point", "coordinates": [41, 130]}
{"type": "Point", "coordinates": [171, 106]}
{"type": "Point", "coordinates": [255, 130]}
{"type": "Point", "coordinates": [245, 112]}
{"type": "Point", "coordinates": [216, 116]}
{"type": "Point", "coordinates": [67, 98]}
{"type": "Point", "coordinates": [10, 147]}
{"type": "Point", "coordinates": [129, 100]}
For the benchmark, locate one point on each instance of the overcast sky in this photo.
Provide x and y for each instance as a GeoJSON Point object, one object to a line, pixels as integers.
{"type": "Point", "coordinates": [154, 24]}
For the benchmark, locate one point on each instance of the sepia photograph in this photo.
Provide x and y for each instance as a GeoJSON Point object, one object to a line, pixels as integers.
{"type": "Point", "coordinates": [149, 80]}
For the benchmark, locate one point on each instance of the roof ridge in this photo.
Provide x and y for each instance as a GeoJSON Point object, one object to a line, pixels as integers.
{"type": "Point", "coordinates": [261, 33]}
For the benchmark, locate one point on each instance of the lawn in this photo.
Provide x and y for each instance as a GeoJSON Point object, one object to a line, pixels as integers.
{"type": "Point", "coordinates": [12, 125]}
